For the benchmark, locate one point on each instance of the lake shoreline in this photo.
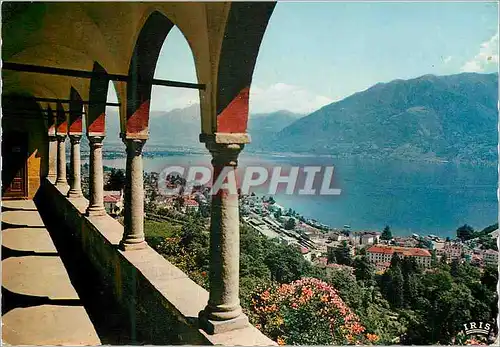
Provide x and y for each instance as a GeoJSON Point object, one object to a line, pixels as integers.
{"type": "Point", "coordinates": [410, 197]}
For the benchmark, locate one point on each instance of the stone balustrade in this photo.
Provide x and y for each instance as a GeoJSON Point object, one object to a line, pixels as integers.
{"type": "Point", "coordinates": [158, 299]}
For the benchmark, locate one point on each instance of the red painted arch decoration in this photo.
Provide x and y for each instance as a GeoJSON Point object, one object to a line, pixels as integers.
{"type": "Point", "coordinates": [247, 22]}
{"type": "Point", "coordinates": [51, 122]}
{"type": "Point", "coordinates": [96, 111]}
{"type": "Point", "coordinates": [75, 112]}
{"type": "Point", "coordinates": [141, 72]}
{"type": "Point", "coordinates": [62, 120]}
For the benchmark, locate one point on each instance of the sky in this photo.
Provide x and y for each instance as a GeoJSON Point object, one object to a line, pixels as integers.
{"type": "Point", "coordinates": [315, 53]}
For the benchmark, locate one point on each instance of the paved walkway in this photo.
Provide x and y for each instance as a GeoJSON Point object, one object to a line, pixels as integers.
{"type": "Point", "coordinates": [40, 306]}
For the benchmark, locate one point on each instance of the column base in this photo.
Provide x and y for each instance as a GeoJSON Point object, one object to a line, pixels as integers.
{"type": "Point", "coordinates": [75, 194]}
{"type": "Point", "coordinates": [52, 179]}
{"type": "Point", "coordinates": [93, 211]}
{"type": "Point", "coordinates": [132, 246]}
{"type": "Point", "coordinates": [63, 187]}
{"type": "Point", "coordinates": [213, 327]}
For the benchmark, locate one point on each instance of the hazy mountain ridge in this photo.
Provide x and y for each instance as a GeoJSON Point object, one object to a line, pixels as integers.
{"type": "Point", "coordinates": [182, 127]}
{"type": "Point", "coordinates": [451, 118]}
{"type": "Point", "coordinates": [431, 117]}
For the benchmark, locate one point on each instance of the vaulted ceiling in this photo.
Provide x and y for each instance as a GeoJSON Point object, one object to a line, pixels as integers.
{"type": "Point", "coordinates": [75, 35]}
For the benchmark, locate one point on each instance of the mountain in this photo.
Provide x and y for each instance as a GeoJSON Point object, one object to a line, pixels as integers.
{"type": "Point", "coordinates": [182, 127]}
{"type": "Point", "coordinates": [431, 117]}
{"type": "Point", "coordinates": [262, 126]}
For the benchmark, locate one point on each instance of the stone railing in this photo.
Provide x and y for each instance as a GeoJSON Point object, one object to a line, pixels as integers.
{"type": "Point", "coordinates": [158, 299]}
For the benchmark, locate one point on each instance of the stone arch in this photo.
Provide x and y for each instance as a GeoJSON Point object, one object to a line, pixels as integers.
{"type": "Point", "coordinates": [21, 113]}
{"type": "Point", "coordinates": [75, 112]}
{"type": "Point", "coordinates": [95, 117]}
{"type": "Point", "coordinates": [141, 72]}
{"type": "Point", "coordinates": [51, 121]}
{"type": "Point", "coordinates": [61, 120]}
{"type": "Point", "coordinates": [246, 24]}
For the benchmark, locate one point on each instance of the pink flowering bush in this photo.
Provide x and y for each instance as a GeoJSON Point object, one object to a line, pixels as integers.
{"type": "Point", "coordinates": [307, 312]}
{"type": "Point", "coordinates": [465, 340]}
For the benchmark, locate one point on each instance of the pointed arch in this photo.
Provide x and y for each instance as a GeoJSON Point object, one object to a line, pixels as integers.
{"type": "Point", "coordinates": [61, 119]}
{"type": "Point", "coordinates": [95, 119]}
{"type": "Point", "coordinates": [141, 72]}
{"type": "Point", "coordinates": [246, 24]}
{"type": "Point", "coordinates": [75, 112]}
{"type": "Point", "coordinates": [51, 121]}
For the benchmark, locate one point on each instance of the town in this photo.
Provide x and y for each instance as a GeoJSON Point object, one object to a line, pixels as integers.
{"type": "Point", "coordinates": [317, 242]}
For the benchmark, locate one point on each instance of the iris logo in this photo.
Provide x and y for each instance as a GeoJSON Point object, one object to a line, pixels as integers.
{"type": "Point", "coordinates": [480, 328]}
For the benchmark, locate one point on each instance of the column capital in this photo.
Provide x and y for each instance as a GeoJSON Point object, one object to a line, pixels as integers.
{"type": "Point", "coordinates": [134, 145]}
{"type": "Point", "coordinates": [95, 140]}
{"type": "Point", "coordinates": [239, 138]}
{"type": "Point", "coordinates": [75, 138]}
{"type": "Point", "coordinates": [132, 136]}
{"type": "Point", "coordinates": [52, 137]}
{"type": "Point", "coordinates": [61, 137]}
{"type": "Point", "coordinates": [224, 154]}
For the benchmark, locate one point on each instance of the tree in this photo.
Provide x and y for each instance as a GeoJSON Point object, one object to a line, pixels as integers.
{"type": "Point", "coordinates": [331, 258]}
{"type": "Point", "coordinates": [285, 263]}
{"type": "Point", "coordinates": [195, 241]}
{"type": "Point", "coordinates": [434, 260]}
{"type": "Point", "coordinates": [423, 243]}
{"type": "Point", "coordinates": [444, 259]}
{"type": "Point", "coordinates": [395, 260]}
{"type": "Point", "coordinates": [349, 289]}
{"type": "Point", "coordinates": [392, 286]}
{"type": "Point", "coordinates": [490, 277]}
{"type": "Point", "coordinates": [290, 224]}
{"type": "Point", "coordinates": [455, 268]}
{"type": "Point", "coordinates": [392, 283]}
{"type": "Point", "coordinates": [277, 214]}
{"type": "Point", "coordinates": [363, 270]}
{"type": "Point", "coordinates": [343, 254]}
{"type": "Point", "coordinates": [116, 180]}
{"type": "Point", "coordinates": [386, 233]}
{"type": "Point", "coordinates": [465, 232]}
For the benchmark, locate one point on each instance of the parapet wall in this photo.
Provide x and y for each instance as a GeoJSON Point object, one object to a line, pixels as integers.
{"type": "Point", "coordinates": [159, 301]}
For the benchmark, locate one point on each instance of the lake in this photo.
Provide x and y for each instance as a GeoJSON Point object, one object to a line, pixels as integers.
{"type": "Point", "coordinates": [410, 197]}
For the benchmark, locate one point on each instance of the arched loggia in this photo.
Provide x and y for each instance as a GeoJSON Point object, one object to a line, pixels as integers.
{"type": "Point", "coordinates": [141, 72]}
{"type": "Point", "coordinates": [229, 89]}
{"type": "Point", "coordinates": [24, 133]}
{"type": "Point", "coordinates": [243, 33]}
{"type": "Point", "coordinates": [96, 130]}
{"type": "Point", "coordinates": [61, 134]}
{"type": "Point", "coordinates": [96, 109]}
{"type": "Point", "coordinates": [246, 24]}
{"type": "Point", "coordinates": [75, 130]}
{"type": "Point", "coordinates": [52, 141]}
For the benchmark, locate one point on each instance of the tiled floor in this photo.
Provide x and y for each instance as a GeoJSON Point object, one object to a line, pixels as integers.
{"type": "Point", "coordinates": [40, 306]}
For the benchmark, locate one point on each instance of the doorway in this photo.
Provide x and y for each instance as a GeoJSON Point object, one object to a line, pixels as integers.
{"type": "Point", "coordinates": [14, 165]}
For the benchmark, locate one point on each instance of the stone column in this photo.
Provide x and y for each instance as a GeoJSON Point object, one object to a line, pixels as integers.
{"type": "Point", "coordinates": [223, 311]}
{"type": "Point", "coordinates": [96, 177]}
{"type": "Point", "coordinates": [75, 188]}
{"type": "Point", "coordinates": [52, 174]}
{"type": "Point", "coordinates": [133, 209]}
{"type": "Point", "coordinates": [61, 180]}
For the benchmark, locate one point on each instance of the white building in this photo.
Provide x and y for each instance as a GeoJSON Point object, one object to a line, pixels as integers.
{"type": "Point", "coordinates": [113, 202]}
{"type": "Point", "coordinates": [490, 257]}
{"type": "Point", "coordinates": [383, 254]}
{"type": "Point", "coordinates": [191, 205]}
{"type": "Point", "coordinates": [453, 250]}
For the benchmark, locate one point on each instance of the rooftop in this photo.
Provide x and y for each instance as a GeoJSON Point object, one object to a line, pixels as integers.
{"type": "Point", "coordinates": [406, 251]}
